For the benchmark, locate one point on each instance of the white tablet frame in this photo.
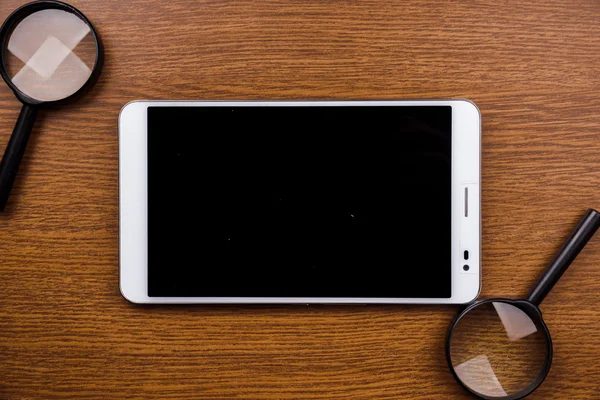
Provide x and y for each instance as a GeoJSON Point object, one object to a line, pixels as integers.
{"type": "Point", "coordinates": [466, 220]}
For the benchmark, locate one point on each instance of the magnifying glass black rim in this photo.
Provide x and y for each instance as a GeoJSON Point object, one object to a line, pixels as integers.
{"type": "Point", "coordinates": [534, 313]}
{"type": "Point", "coordinates": [19, 15]}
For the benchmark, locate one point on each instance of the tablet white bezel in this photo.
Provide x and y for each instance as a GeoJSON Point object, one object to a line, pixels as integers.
{"type": "Point", "coordinates": [466, 229]}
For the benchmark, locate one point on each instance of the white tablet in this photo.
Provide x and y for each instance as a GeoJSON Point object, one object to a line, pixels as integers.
{"type": "Point", "coordinates": [300, 201]}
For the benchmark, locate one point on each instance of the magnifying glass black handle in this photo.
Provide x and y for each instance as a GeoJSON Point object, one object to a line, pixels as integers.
{"type": "Point", "coordinates": [14, 151]}
{"type": "Point", "coordinates": [583, 232]}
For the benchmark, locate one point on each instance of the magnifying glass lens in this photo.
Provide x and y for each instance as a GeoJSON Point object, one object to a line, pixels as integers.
{"type": "Point", "coordinates": [497, 350]}
{"type": "Point", "coordinates": [50, 54]}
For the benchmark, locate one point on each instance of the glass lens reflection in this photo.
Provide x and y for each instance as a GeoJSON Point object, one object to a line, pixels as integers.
{"type": "Point", "coordinates": [50, 55]}
{"type": "Point", "coordinates": [496, 349]}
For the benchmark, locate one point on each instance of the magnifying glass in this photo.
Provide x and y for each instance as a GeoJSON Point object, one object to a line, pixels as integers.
{"type": "Point", "coordinates": [501, 348]}
{"type": "Point", "coordinates": [49, 54]}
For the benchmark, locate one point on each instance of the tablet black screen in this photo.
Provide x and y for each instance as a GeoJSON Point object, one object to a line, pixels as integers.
{"type": "Point", "coordinates": [299, 201]}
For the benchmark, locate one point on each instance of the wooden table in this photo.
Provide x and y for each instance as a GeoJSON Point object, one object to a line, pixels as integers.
{"type": "Point", "coordinates": [531, 67]}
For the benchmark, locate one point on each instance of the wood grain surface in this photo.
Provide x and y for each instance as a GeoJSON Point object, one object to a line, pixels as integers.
{"type": "Point", "coordinates": [532, 67]}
